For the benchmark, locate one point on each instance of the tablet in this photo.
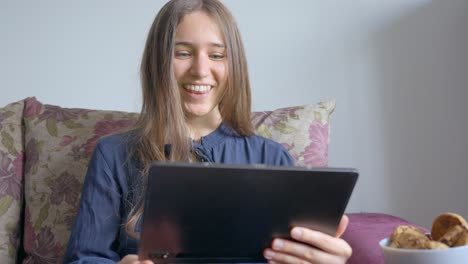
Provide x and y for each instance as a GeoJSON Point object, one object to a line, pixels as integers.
{"type": "Point", "coordinates": [205, 212]}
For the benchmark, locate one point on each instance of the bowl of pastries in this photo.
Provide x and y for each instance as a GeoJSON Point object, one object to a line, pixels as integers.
{"type": "Point", "coordinates": [446, 243]}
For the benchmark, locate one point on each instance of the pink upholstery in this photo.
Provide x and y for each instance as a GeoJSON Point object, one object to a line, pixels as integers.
{"type": "Point", "coordinates": [364, 233]}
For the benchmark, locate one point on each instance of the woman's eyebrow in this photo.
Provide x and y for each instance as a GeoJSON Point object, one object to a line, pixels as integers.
{"type": "Point", "coordinates": [218, 45]}
{"type": "Point", "coordinates": [213, 44]}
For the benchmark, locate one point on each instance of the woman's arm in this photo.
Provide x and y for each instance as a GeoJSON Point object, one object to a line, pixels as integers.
{"type": "Point", "coordinates": [94, 237]}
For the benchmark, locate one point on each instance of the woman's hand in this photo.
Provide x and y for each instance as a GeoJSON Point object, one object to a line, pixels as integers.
{"type": "Point", "coordinates": [316, 247]}
{"type": "Point", "coordinates": [133, 259]}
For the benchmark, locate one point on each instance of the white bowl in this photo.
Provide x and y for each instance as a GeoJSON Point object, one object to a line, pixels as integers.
{"type": "Point", "coordinates": [455, 255]}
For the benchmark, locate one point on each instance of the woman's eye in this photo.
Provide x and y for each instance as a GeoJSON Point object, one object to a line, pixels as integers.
{"type": "Point", "coordinates": [217, 56]}
{"type": "Point", "coordinates": [182, 54]}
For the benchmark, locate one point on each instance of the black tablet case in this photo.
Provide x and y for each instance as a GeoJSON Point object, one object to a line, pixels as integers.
{"type": "Point", "coordinates": [200, 212]}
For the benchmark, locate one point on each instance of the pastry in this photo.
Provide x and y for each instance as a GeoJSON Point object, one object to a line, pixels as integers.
{"type": "Point", "coordinates": [405, 236]}
{"type": "Point", "coordinates": [452, 235]}
{"type": "Point", "coordinates": [462, 241]}
{"type": "Point", "coordinates": [444, 222]}
{"type": "Point", "coordinates": [435, 245]}
{"type": "Point", "coordinates": [448, 230]}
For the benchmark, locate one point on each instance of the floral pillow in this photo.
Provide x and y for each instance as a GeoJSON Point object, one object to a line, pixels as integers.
{"type": "Point", "coordinates": [303, 130]}
{"type": "Point", "coordinates": [59, 143]}
{"type": "Point", "coordinates": [11, 175]}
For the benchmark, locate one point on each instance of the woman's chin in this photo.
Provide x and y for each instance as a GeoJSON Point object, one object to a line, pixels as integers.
{"type": "Point", "coordinates": [203, 113]}
{"type": "Point", "coordinates": [196, 113]}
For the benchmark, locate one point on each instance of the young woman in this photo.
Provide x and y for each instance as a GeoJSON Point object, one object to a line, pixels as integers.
{"type": "Point", "coordinates": [196, 107]}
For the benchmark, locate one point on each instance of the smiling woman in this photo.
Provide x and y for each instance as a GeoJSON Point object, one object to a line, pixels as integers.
{"type": "Point", "coordinates": [196, 108]}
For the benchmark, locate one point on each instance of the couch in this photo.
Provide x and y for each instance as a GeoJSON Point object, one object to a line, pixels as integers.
{"type": "Point", "coordinates": [44, 151]}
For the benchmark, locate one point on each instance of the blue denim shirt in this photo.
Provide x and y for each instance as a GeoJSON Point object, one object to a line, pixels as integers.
{"type": "Point", "coordinates": [98, 234]}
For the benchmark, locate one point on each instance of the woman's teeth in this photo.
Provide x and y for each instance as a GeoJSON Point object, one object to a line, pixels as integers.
{"type": "Point", "coordinates": [198, 88]}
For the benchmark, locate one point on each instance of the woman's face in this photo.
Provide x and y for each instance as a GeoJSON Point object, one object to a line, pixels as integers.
{"type": "Point", "coordinates": [200, 65]}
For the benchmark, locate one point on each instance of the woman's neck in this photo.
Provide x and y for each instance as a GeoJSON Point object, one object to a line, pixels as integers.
{"type": "Point", "coordinates": [202, 126]}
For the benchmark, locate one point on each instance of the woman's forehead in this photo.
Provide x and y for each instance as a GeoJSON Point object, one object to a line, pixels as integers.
{"type": "Point", "coordinates": [199, 28]}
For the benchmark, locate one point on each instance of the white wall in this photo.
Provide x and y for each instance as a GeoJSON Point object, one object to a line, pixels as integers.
{"type": "Point", "coordinates": [398, 70]}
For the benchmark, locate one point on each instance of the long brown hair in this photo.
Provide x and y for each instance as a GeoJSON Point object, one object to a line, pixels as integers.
{"type": "Point", "coordinates": [162, 120]}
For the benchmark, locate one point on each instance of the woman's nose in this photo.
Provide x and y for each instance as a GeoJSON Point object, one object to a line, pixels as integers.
{"type": "Point", "coordinates": [200, 66]}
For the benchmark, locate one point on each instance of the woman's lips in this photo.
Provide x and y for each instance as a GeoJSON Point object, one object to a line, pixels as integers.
{"type": "Point", "coordinates": [198, 89]}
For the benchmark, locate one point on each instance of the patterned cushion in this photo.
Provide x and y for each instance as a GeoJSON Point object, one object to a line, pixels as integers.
{"type": "Point", "coordinates": [303, 130]}
{"type": "Point", "coordinates": [11, 176]}
{"type": "Point", "coordinates": [59, 142]}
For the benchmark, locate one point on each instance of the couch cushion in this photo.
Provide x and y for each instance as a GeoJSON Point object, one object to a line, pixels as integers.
{"type": "Point", "coordinates": [59, 142]}
{"type": "Point", "coordinates": [303, 130]}
{"type": "Point", "coordinates": [364, 232]}
{"type": "Point", "coordinates": [11, 176]}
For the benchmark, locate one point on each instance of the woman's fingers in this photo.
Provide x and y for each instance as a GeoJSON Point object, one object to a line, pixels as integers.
{"type": "Point", "coordinates": [342, 226]}
{"type": "Point", "coordinates": [286, 251]}
{"type": "Point", "coordinates": [129, 259]}
{"type": "Point", "coordinates": [315, 247]}
{"type": "Point", "coordinates": [332, 245]}
{"type": "Point", "coordinates": [133, 259]}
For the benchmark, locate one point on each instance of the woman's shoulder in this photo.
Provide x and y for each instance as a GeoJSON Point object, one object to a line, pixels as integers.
{"type": "Point", "coordinates": [115, 142]}
{"type": "Point", "coordinates": [259, 150]}
{"type": "Point", "coordinates": [268, 144]}
{"type": "Point", "coordinates": [255, 138]}
{"type": "Point", "coordinates": [115, 150]}
{"type": "Point", "coordinates": [231, 137]}
{"type": "Point", "coordinates": [272, 152]}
